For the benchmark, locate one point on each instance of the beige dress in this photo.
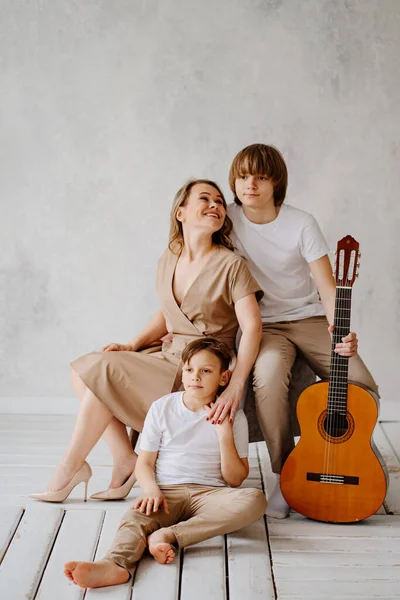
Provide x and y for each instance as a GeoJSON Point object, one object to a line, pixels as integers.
{"type": "Point", "coordinates": [129, 382]}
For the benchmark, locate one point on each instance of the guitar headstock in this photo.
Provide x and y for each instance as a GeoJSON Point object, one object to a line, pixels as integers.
{"type": "Point", "coordinates": [346, 261]}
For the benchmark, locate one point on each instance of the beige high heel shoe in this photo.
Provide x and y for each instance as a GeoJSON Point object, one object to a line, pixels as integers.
{"type": "Point", "coordinates": [118, 493]}
{"type": "Point", "coordinates": [81, 476]}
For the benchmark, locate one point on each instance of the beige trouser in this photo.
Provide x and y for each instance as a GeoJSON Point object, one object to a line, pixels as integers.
{"type": "Point", "coordinates": [196, 513]}
{"type": "Point", "coordinates": [272, 371]}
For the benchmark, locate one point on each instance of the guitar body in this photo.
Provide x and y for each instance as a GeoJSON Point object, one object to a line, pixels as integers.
{"type": "Point", "coordinates": [335, 478]}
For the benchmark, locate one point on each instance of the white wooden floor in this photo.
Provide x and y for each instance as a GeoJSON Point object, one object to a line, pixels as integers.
{"type": "Point", "coordinates": [291, 559]}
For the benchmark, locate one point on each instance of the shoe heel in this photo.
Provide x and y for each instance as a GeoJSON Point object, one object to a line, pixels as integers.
{"type": "Point", "coordinates": [86, 487]}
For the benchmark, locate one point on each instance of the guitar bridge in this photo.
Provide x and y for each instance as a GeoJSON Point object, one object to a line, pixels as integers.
{"type": "Point", "coordinates": [335, 479]}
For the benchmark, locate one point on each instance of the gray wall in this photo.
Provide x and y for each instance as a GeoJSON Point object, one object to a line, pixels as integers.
{"type": "Point", "coordinates": [108, 106]}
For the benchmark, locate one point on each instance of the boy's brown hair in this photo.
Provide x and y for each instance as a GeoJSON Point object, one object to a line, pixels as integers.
{"type": "Point", "coordinates": [260, 159]}
{"type": "Point", "coordinates": [220, 349]}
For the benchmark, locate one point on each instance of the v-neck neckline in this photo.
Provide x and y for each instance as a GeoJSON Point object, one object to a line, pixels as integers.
{"type": "Point", "coordinates": [204, 267]}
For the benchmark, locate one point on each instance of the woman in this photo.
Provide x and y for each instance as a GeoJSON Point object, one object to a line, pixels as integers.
{"type": "Point", "coordinates": [204, 289]}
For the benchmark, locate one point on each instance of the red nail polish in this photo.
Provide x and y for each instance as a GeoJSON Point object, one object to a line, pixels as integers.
{"type": "Point", "coordinates": [213, 422]}
{"type": "Point", "coordinates": [219, 422]}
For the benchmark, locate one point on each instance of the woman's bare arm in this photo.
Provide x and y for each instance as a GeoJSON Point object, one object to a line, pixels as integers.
{"type": "Point", "coordinates": [249, 318]}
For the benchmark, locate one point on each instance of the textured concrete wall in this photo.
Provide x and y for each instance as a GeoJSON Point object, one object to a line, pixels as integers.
{"type": "Point", "coordinates": [108, 105]}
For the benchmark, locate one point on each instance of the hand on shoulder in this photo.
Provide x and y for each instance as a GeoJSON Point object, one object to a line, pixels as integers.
{"type": "Point", "coordinates": [223, 428]}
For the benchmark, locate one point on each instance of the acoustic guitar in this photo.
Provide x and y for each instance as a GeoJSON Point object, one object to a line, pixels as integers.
{"type": "Point", "coordinates": [335, 474]}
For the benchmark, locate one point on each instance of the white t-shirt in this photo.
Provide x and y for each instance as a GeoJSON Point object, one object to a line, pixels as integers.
{"type": "Point", "coordinates": [277, 255]}
{"type": "Point", "coordinates": [187, 444]}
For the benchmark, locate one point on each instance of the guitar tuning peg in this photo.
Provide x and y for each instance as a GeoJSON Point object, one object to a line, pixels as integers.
{"type": "Point", "coordinates": [359, 255]}
{"type": "Point", "coordinates": [358, 264]}
{"type": "Point", "coordinates": [357, 275]}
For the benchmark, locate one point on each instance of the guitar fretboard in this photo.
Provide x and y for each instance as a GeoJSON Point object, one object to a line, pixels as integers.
{"type": "Point", "coordinates": [338, 379]}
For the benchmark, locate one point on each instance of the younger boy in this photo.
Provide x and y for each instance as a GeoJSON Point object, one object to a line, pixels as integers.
{"type": "Point", "coordinates": [183, 467]}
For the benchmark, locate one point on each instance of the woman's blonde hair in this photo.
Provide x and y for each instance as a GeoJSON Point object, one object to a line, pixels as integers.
{"type": "Point", "coordinates": [220, 237]}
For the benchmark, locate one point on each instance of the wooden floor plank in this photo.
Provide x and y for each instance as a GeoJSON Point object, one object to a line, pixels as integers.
{"type": "Point", "coordinates": [39, 448]}
{"type": "Point", "coordinates": [10, 516]}
{"type": "Point", "coordinates": [249, 564]}
{"type": "Point", "coordinates": [379, 534]}
{"type": "Point", "coordinates": [336, 573]}
{"type": "Point", "coordinates": [71, 503]}
{"type": "Point", "coordinates": [253, 454]}
{"type": "Point", "coordinates": [345, 557]}
{"type": "Point", "coordinates": [34, 418]}
{"type": "Point", "coordinates": [322, 560]}
{"type": "Point", "coordinates": [31, 483]}
{"type": "Point", "coordinates": [47, 457]}
{"type": "Point", "coordinates": [115, 592]}
{"type": "Point", "coordinates": [366, 589]}
{"type": "Point", "coordinates": [384, 526]}
{"type": "Point", "coordinates": [34, 436]}
{"type": "Point", "coordinates": [76, 540]}
{"type": "Point", "coordinates": [203, 573]}
{"type": "Point", "coordinates": [153, 580]}
{"type": "Point", "coordinates": [26, 558]}
{"type": "Point", "coordinates": [339, 544]}
{"type": "Point", "coordinates": [27, 427]}
{"type": "Point", "coordinates": [268, 477]}
{"type": "Point", "coordinates": [392, 431]}
{"type": "Point", "coordinates": [392, 500]}
{"type": "Point", "coordinates": [319, 561]}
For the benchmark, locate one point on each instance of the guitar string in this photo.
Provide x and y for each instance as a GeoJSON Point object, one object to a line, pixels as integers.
{"type": "Point", "coordinates": [329, 419]}
{"type": "Point", "coordinates": [347, 293]}
{"type": "Point", "coordinates": [338, 363]}
{"type": "Point", "coordinates": [336, 359]}
{"type": "Point", "coordinates": [338, 380]}
{"type": "Point", "coordinates": [338, 392]}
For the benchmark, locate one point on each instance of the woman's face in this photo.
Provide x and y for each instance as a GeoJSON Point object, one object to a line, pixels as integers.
{"type": "Point", "coordinates": [204, 208]}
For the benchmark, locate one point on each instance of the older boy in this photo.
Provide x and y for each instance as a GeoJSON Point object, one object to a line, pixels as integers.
{"type": "Point", "coordinates": [284, 247]}
{"type": "Point", "coordinates": [183, 467]}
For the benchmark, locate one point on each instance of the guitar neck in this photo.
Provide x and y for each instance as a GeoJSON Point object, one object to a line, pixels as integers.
{"type": "Point", "coordinates": [338, 379]}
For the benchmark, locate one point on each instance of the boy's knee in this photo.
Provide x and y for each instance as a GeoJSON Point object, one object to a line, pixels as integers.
{"type": "Point", "coordinates": [257, 501]}
{"type": "Point", "coordinates": [272, 380]}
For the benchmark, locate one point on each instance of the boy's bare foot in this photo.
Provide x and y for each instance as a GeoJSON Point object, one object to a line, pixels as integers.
{"type": "Point", "coordinates": [97, 574]}
{"type": "Point", "coordinates": [159, 544]}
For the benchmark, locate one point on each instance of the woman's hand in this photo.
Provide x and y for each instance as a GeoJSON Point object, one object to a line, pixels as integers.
{"type": "Point", "coordinates": [151, 502]}
{"type": "Point", "coordinates": [223, 429]}
{"type": "Point", "coordinates": [349, 345]}
{"type": "Point", "coordinates": [227, 403]}
{"type": "Point", "coordinates": [117, 348]}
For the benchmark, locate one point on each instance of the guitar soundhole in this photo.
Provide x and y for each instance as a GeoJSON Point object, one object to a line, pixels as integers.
{"type": "Point", "coordinates": [335, 427]}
